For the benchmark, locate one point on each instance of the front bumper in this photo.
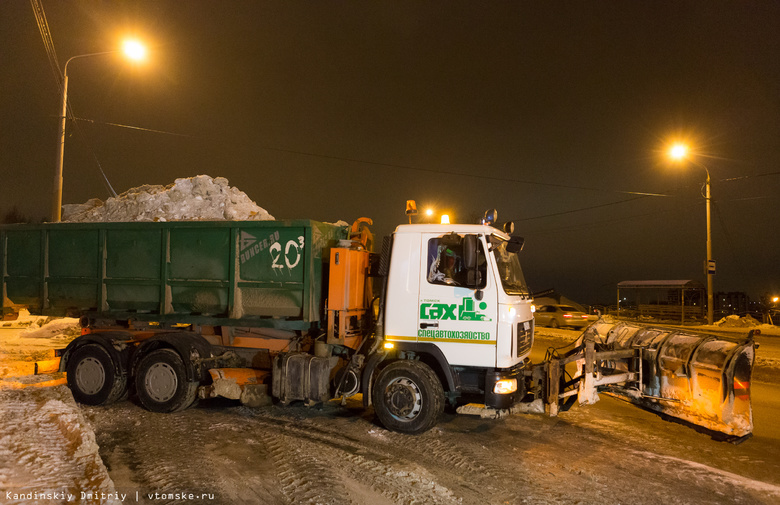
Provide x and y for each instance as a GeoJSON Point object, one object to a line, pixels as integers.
{"type": "Point", "coordinates": [506, 400]}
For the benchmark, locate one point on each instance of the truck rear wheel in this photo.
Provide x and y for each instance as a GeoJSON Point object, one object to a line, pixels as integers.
{"type": "Point", "coordinates": [92, 376]}
{"type": "Point", "coordinates": [408, 397]}
{"type": "Point", "coordinates": [161, 382]}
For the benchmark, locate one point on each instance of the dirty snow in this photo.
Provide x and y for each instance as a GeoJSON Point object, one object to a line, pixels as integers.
{"type": "Point", "coordinates": [735, 321]}
{"type": "Point", "coordinates": [48, 452]}
{"type": "Point", "coordinates": [224, 453]}
{"type": "Point", "coordinates": [200, 198]}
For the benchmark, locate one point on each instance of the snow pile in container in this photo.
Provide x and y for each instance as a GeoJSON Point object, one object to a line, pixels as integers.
{"type": "Point", "coordinates": [200, 198]}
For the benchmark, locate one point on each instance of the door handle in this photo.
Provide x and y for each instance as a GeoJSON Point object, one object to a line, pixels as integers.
{"type": "Point", "coordinates": [429, 325]}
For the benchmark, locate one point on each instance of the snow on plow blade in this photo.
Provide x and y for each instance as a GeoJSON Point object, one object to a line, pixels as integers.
{"type": "Point", "coordinates": [697, 377]}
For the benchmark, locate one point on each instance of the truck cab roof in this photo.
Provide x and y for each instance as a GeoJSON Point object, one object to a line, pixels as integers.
{"type": "Point", "coordinates": [447, 228]}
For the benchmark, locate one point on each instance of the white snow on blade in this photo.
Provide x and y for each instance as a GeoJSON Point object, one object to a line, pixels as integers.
{"type": "Point", "coordinates": [722, 475]}
{"type": "Point", "coordinates": [200, 198]}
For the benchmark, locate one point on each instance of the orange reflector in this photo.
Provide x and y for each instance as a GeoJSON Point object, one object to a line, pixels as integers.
{"type": "Point", "coordinates": [742, 389]}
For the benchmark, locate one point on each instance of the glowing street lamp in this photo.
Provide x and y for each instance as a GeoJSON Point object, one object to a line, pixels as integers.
{"type": "Point", "coordinates": [679, 152]}
{"type": "Point", "coordinates": [133, 50]}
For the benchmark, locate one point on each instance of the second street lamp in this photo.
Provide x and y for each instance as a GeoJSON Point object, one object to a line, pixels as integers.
{"type": "Point", "coordinates": [133, 50]}
{"type": "Point", "coordinates": [679, 152]}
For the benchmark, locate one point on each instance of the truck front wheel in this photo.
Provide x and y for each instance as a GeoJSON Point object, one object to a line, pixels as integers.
{"type": "Point", "coordinates": [161, 382]}
{"type": "Point", "coordinates": [92, 377]}
{"type": "Point", "coordinates": [408, 397]}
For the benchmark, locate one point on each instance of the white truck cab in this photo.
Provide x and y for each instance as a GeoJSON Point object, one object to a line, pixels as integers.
{"type": "Point", "coordinates": [456, 302]}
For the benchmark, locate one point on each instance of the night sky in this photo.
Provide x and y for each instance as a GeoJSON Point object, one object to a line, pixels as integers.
{"type": "Point", "coordinates": [556, 114]}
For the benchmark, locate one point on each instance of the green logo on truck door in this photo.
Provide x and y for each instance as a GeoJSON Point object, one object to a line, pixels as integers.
{"type": "Point", "coordinates": [466, 311]}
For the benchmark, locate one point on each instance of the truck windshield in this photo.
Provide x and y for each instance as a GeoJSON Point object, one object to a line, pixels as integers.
{"type": "Point", "coordinates": [508, 267]}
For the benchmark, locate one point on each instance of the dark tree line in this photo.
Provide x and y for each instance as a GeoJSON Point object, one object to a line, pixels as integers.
{"type": "Point", "coordinates": [15, 216]}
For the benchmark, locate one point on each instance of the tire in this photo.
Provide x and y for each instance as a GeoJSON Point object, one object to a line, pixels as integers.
{"type": "Point", "coordinates": [554, 323]}
{"type": "Point", "coordinates": [408, 397]}
{"type": "Point", "coordinates": [161, 382]}
{"type": "Point", "coordinates": [92, 376]}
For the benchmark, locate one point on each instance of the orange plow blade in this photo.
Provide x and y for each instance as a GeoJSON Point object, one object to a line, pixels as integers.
{"type": "Point", "coordinates": [701, 378]}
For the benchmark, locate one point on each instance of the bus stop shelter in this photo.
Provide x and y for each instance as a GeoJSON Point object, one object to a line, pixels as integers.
{"type": "Point", "coordinates": [673, 300]}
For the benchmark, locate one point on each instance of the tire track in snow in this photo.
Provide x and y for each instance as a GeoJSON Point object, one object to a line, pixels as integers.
{"type": "Point", "coordinates": [185, 452]}
{"type": "Point", "coordinates": [305, 454]}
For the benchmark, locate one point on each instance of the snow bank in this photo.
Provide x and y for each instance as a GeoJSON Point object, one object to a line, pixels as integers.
{"type": "Point", "coordinates": [200, 198]}
{"type": "Point", "coordinates": [735, 321]}
{"type": "Point", "coordinates": [48, 452]}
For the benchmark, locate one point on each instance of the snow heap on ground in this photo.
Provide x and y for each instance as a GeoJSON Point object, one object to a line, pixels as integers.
{"type": "Point", "coordinates": [48, 450]}
{"type": "Point", "coordinates": [200, 198]}
{"type": "Point", "coordinates": [735, 321]}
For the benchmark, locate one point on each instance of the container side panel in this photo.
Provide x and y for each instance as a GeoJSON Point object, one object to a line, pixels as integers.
{"type": "Point", "coordinates": [271, 268]}
{"type": "Point", "coordinates": [73, 262]}
{"type": "Point", "coordinates": [133, 254]}
{"type": "Point", "coordinates": [24, 291]}
{"type": "Point", "coordinates": [69, 297]}
{"type": "Point", "coordinates": [73, 253]}
{"type": "Point", "coordinates": [23, 253]}
{"type": "Point", "coordinates": [269, 301]}
{"type": "Point", "coordinates": [274, 255]}
{"type": "Point", "coordinates": [133, 298]}
{"type": "Point", "coordinates": [324, 237]}
{"type": "Point", "coordinates": [200, 300]}
{"type": "Point", "coordinates": [199, 253]}
{"type": "Point", "coordinates": [23, 268]}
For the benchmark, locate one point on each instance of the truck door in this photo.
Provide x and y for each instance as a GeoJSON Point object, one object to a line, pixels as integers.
{"type": "Point", "coordinates": [461, 321]}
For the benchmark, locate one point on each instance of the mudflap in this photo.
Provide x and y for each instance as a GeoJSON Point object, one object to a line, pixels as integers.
{"type": "Point", "coordinates": [699, 378]}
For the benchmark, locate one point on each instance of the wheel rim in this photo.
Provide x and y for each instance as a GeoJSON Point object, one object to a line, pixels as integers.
{"type": "Point", "coordinates": [161, 382]}
{"type": "Point", "coordinates": [403, 398]}
{"type": "Point", "coordinates": [90, 376]}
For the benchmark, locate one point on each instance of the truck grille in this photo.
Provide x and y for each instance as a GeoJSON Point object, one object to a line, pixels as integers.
{"type": "Point", "coordinates": [525, 337]}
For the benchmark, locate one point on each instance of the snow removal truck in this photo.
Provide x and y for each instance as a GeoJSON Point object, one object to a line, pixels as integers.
{"type": "Point", "coordinates": [305, 311]}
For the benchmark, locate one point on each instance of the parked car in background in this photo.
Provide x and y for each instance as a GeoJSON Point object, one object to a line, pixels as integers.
{"type": "Point", "coordinates": [560, 316]}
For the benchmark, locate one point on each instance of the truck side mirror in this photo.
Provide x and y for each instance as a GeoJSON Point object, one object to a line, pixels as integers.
{"type": "Point", "coordinates": [470, 251]}
{"type": "Point", "coordinates": [515, 244]}
{"type": "Point", "coordinates": [471, 261]}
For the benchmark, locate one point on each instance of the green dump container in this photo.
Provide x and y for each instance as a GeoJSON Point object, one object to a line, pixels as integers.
{"type": "Point", "coordinates": [238, 273]}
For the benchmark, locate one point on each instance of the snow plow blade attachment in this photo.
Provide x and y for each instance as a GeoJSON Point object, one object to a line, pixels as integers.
{"type": "Point", "coordinates": [700, 378]}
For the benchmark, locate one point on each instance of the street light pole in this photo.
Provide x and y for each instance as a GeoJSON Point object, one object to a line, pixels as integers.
{"type": "Point", "coordinates": [710, 297]}
{"type": "Point", "coordinates": [680, 151]}
{"type": "Point", "coordinates": [134, 51]}
{"type": "Point", "coordinates": [56, 201]}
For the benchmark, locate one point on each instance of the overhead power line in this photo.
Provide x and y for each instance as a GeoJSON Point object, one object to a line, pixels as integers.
{"type": "Point", "coordinates": [48, 43]}
{"type": "Point", "coordinates": [130, 127]}
{"type": "Point", "coordinates": [59, 78]}
{"type": "Point", "coordinates": [461, 174]}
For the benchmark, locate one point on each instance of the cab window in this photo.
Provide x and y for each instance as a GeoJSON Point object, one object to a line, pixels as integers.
{"type": "Point", "coordinates": [445, 262]}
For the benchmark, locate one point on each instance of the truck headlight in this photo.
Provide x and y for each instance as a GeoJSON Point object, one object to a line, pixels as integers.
{"type": "Point", "coordinates": [505, 386]}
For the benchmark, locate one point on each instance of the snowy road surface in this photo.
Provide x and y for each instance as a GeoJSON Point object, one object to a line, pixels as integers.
{"type": "Point", "coordinates": [608, 453]}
